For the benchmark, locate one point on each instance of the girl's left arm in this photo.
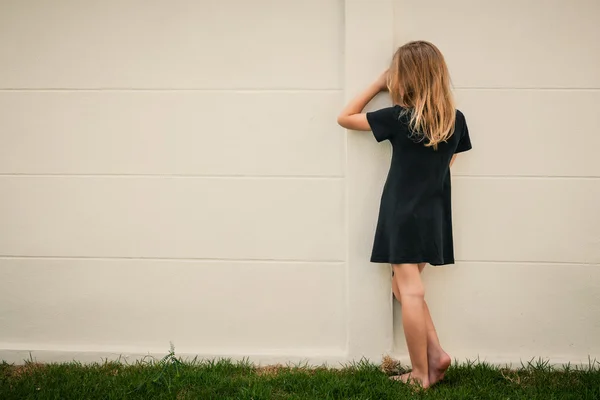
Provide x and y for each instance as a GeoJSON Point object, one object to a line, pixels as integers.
{"type": "Point", "coordinates": [352, 116]}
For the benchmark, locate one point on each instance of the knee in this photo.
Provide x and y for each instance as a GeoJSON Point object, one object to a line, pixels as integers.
{"type": "Point", "coordinates": [412, 294]}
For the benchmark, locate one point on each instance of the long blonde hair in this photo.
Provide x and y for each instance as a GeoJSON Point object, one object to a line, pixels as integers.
{"type": "Point", "coordinates": [419, 81]}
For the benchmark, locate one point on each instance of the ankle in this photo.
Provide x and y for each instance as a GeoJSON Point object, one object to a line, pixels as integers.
{"type": "Point", "coordinates": [436, 352]}
{"type": "Point", "coordinates": [433, 354]}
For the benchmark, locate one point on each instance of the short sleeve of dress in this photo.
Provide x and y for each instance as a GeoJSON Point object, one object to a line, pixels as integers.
{"type": "Point", "coordinates": [382, 123]}
{"type": "Point", "coordinates": [464, 143]}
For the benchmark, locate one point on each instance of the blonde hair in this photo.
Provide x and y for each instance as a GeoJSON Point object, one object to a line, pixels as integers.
{"type": "Point", "coordinates": [419, 81]}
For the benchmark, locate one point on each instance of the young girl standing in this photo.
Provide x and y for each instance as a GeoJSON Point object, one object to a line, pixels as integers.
{"type": "Point", "coordinates": [415, 217]}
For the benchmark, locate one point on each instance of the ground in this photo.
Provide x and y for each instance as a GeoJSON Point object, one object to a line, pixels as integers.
{"type": "Point", "coordinates": [172, 378]}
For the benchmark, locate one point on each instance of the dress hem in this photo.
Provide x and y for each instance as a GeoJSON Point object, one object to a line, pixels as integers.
{"type": "Point", "coordinates": [384, 260]}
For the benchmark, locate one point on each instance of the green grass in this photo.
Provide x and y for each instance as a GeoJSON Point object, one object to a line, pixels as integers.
{"type": "Point", "coordinates": [170, 378]}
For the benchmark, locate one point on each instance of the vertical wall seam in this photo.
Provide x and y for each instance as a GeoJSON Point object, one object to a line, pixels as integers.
{"type": "Point", "coordinates": [346, 185]}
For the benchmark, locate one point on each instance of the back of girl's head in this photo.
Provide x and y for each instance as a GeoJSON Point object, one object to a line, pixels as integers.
{"type": "Point", "coordinates": [420, 82]}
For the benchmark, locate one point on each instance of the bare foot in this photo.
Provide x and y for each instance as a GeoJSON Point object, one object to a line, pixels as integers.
{"type": "Point", "coordinates": [438, 366]}
{"type": "Point", "coordinates": [412, 380]}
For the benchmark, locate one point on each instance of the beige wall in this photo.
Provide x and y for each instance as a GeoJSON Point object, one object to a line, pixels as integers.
{"type": "Point", "coordinates": [172, 171]}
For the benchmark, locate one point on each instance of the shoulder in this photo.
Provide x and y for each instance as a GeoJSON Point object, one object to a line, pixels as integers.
{"type": "Point", "coordinates": [460, 124]}
{"type": "Point", "coordinates": [384, 122]}
{"type": "Point", "coordinates": [463, 139]}
{"type": "Point", "coordinates": [389, 113]}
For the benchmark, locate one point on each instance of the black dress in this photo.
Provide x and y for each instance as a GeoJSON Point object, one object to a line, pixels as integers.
{"type": "Point", "coordinates": [415, 215]}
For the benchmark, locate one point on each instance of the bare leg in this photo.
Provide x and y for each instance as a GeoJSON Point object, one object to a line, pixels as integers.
{"type": "Point", "coordinates": [438, 360]}
{"type": "Point", "coordinates": [412, 295]}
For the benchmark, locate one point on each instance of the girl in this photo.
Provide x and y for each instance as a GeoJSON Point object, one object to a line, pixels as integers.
{"type": "Point", "coordinates": [415, 219]}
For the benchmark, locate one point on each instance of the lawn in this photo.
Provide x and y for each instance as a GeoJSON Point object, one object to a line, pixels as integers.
{"type": "Point", "coordinates": [170, 378]}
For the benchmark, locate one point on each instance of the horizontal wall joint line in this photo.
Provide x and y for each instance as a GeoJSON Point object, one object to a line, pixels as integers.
{"type": "Point", "coordinates": [525, 177]}
{"type": "Point", "coordinates": [188, 176]}
{"type": "Point", "coordinates": [177, 259]}
{"type": "Point", "coordinates": [583, 89]}
{"type": "Point", "coordinates": [200, 90]}
{"type": "Point", "coordinates": [576, 263]}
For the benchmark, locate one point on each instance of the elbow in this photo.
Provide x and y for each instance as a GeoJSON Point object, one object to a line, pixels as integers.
{"type": "Point", "coordinates": [341, 120]}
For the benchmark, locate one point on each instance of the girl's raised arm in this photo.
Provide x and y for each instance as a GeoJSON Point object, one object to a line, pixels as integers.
{"type": "Point", "coordinates": [352, 116]}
